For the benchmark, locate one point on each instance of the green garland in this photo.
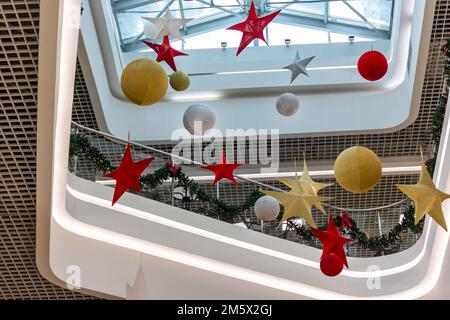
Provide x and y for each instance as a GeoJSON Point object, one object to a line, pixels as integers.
{"type": "Point", "coordinates": [80, 145]}
{"type": "Point", "coordinates": [215, 207]}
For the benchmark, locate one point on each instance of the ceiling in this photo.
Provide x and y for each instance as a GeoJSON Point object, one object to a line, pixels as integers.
{"type": "Point", "coordinates": [19, 27]}
{"type": "Point", "coordinates": [19, 277]}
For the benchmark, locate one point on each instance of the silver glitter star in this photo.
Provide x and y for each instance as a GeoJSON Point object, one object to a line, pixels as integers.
{"type": "Point", "coordinates": [299, 66]}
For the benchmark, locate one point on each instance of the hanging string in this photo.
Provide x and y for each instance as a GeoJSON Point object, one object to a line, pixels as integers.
{"type": "Point", "coordinates": [367, 209]}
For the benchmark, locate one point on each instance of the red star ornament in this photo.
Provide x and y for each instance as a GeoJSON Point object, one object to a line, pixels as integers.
{"type": "Point", "coordinates": [252, 28]}
{"type": "Point", "coordinates": [223, 170]}
{"type": "Point", "coordinates": [128, 174]}
{"type": "Point", "coordinates": [332, 241]}
{"type": "Point", "coordinates": [165, 52]}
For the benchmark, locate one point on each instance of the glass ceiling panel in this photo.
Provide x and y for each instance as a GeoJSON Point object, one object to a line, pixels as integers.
{"type": "Point", "coordinates": [312, 8]}
{"type": "Point", "coordinates": [377, 12]}
{"type": "Point", "coordinates": [276, 36]}
{"type": "Point", "coordinates": [301, 21]}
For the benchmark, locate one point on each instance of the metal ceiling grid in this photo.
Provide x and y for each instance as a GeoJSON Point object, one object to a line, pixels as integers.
{"type": "Point", "coordinates": [19, 277]}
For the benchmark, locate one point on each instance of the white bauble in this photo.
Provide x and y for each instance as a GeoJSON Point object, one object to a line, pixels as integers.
{"type": "Point", "coordinates": [150, 30]}
{"type": "Point", "coordinates": [200, 115]}
{"type": "Point", "coordinates": [288, 104]}
{"type": "Point", "coordinates": [267, 208]}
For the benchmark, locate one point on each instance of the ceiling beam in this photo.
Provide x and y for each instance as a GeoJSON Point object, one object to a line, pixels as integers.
{"type": "Point", "coordinates": [124, 5]}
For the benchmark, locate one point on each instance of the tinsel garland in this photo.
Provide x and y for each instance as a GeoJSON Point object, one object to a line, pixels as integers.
{"type": "Point", "coordinates": [79, 145]}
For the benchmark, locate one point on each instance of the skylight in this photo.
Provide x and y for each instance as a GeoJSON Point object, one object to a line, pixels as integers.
{"type": "Point", "coordinates": [324, 21]}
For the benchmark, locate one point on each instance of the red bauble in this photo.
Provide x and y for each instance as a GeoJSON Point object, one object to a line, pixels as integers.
{"type": "Point", "coordinates": [372, 65]}
{"type": "Point", "coordinates": [331, 265]}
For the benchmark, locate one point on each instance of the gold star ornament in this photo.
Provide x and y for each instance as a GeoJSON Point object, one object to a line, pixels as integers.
{"type": "Point", "coordinates": [298, 202]}
{"type": "Point", "coordinates": [427, 198]}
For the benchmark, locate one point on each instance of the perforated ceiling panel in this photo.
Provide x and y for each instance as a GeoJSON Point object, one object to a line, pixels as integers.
{"type": "Point", "coordinates": [19, 277]}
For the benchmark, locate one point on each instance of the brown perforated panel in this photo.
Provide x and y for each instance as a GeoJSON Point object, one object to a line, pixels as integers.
{"type": "Point", "coordinates": [19, 277]}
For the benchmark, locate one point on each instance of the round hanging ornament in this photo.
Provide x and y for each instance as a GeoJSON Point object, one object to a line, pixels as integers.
{"type": "Point", "coordinates": [357, 169]}
{"type": "Point", "coordinates": [372, 65]}
{"type": "Point", "coordinates": [144, 82]}
{"type": "Point", "coordinates": [288, 104]}
{"type": "Point", "coordinates": [179, 81]}
{"type": "Point", "coordinates": [267, 208]}
{"type": "Point", "coordinates": [198, 119]}
{"type": "Point", "coordinates": [331, 265]}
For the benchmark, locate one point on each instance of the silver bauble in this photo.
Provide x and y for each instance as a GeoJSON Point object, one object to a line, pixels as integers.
{"type": "Point", "coordinates": [201, 115]}
{"type": "Point", "coordinates": [267, 208]}
{"type": "Point", "coordinates": [288, 104]}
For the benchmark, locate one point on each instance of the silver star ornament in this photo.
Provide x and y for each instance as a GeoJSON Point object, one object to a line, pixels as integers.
{"type": "Point", "coordinates": [299, 66]}
{"type": "Point", "coordinates": [168, 25]}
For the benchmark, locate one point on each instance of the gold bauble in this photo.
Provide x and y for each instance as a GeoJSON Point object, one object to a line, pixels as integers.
{"type": "Point", "coordinates": [179, 81]}
{"type": "Point", "coordinates": [144, 82]}
{"type": "Point", "coordinates": [357, 169]}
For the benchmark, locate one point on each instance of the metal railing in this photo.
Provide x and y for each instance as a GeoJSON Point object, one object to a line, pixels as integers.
{"type": "Point", "coordinates": [113, 147]}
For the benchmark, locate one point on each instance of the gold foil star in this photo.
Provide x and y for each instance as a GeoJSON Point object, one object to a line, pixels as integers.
{"type": "Point", "coordinates": [427, 198]}
{"type": "Point", "coordinates": [298, 202]}
{"type": "Point", "coordinates": [306, 185]}
{"type": "Point", "coordinates": [296, 205]}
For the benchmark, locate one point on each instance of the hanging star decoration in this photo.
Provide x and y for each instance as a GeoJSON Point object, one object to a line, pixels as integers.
{"type": "Point", "coordinates": [139, 290]}
{"type": "Point", "coordinates": [168, 25]}
{"type": "Point", "coordinates": [128, 174]}
{"type": "Point", "coordinates": [252, 28]}
{"type": "Point", "coordinates": [426, 197]}
{"type": "Point", "coordinates": [299, 66]}
{"type": "Point", "coordinates": [332, 241]}
{"type": "Point", "coordinates": [165, 52]}
{"type": "Point", "coordinates": [298, 202]}
{"type": "Point", "coordinates": [223, 170]}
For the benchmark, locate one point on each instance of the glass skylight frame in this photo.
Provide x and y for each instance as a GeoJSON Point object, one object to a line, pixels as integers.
{"type": "Point", "coordinates": [217, 20]}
